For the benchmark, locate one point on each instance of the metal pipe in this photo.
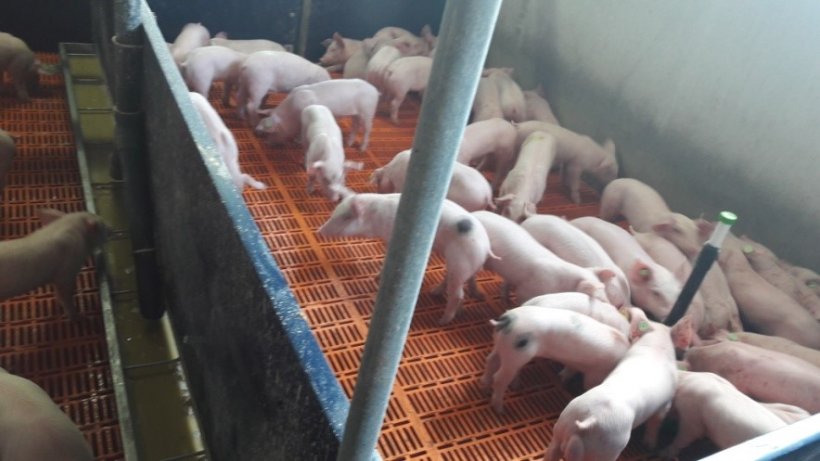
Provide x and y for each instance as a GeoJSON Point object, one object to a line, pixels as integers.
{"type": "Point", "coordinates": [130, 152]}
{"type": "Point", "coordinates": [464, 39]}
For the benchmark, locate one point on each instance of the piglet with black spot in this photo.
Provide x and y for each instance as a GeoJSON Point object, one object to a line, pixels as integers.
{"type": "Point", "coordinates": [460, 238]}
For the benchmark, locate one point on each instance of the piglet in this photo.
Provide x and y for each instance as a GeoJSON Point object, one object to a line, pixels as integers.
{"type": "Point", "coordinates": [575, 246]}
{"type": "Point", "coordinates": [460, 238]}
{"type": "Point", "coordinates": [510, 95]}
{"type": "Point", "coordinates": [772, 343]}
{"type": "Point", "coordinates": [537, 107]}
{"type": "Point", "coordinates": [468, 187]}
{"type": "Point", "coordinates": [190, 37]}
{"type": "Point", "coordinates": [708, 405]}
{"type": "Point", "coordinates": [225, 142]}
{"type": "Point", "coordinates": [344, 97]}
{"type": "Point", "coordinates": [766, 264]}
{"type": "Point", "coordinates": [356, 65]}
{"type": "Point", "coordinates": [54, 253]}
{"type": "Point", "coordinates": [487, 103]}
{"type": "Point", "coordinates": [404, 75]}
{"type": "Point", "coordinates": [763, 307]}
{"type": "Point", "coordinates": [250, 46]}
{"type": "Point", "coordinates": [325, 155]}
{"type": "Point", "coordinates": [789, 414]}
{"type": "Point", "coordinates": [584, 304]}
{"type": "Point", "coordinates": [524, 186]}
{"type": "Point", "coordinates": [596, 425]}
{"type": "Point", "coordinates": [204, 65]}
{"type": "Point", "coordinates": [339, 50]}
{"type": "Point", "coordinates": [266, 71]}
{"type": "Point", "coordinates": [22, 66]}
{"type": "Point", "coordinates": [579, 342]}
{"type": "Point", "coordinates": [762, 374]}
{"type": "Point", "coordinates": [653, 287]}
{"type": "Point", "coordinates": [33, 428]}
{"type": "Point", "coordinates": [578, 154]}
{"type": "Point", "coordinates": [8, 149]}
{"type": "Point", "coordinates": [636, 201]}
{"type": "Point", "coordinates": [532, 270]}
{"type": "Point", "coordinates": [494, 137]}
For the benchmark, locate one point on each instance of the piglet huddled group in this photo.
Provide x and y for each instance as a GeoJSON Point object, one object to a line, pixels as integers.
{"type": "Point", "coordinates": [587, 292]}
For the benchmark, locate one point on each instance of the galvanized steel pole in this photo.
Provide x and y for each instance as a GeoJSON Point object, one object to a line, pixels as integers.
{"type": "Point", "coordinates": [464, 38]}
{"type": "Point", "coordinates": [130, 152]}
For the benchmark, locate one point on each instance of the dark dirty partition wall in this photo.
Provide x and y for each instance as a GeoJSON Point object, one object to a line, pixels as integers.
{"type": "Point", "coordinates": [362, 18]}
{"type": "Point", "coordinates": [43, 24]}
{"type": "Point", "coordinates": [260, 384]}
{"type": "Point", "coordinates": [275, 20]}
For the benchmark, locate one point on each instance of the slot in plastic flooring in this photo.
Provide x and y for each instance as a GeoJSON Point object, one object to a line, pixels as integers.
{"type": "Point", "coordinates": [437, 410]}
{"type": "Point", "coordinates": [37, 341]}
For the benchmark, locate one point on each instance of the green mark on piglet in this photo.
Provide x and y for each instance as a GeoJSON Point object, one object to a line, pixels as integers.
{"type": "Point", "coordinates": [748, 249]}
{"type": "Point", "coordinates": [732, 337]}
{"type": "Point", "coordinates": [643, 325]}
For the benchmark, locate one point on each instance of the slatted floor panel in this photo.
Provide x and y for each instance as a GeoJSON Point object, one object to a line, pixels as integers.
{"type": "Point", "coordinates": [37, 341]}
{"type": "Point", "coordinates": [437, 410]}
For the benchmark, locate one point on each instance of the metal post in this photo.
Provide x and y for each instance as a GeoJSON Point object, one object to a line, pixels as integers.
{"type": "Point", "coordinates": [464, 39]}
{"type": "Point", "coordinates": [130, 152]}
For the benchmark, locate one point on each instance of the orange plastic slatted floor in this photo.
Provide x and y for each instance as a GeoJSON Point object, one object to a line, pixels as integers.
{"type": "Point", "coordinates": [37, 341]}
{"type": "Point", "coordinates": [437, 410]}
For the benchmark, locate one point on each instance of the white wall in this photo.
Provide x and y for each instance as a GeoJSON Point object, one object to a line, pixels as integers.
{"type": "Point", "coordinates": [714, 103]}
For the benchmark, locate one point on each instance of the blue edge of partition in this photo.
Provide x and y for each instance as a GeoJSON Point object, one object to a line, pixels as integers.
{"type": "Point", "coordinates": [171, 113]}
{"type": "Point", "coordinates": [163, 112]}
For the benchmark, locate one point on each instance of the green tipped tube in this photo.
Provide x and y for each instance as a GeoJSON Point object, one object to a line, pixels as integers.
{"type": "Point", "coordinates": [706, 258]}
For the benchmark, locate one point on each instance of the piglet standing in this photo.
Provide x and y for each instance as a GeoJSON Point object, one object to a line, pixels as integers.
{"type": "Point", "coordinates": [33, 428]}
{"type": "Point", "coordinates": [533, 270]}
{"type": "Point", "coordinates": [404, 75]}
{"type": "Point", "coordinates": [524, 186]}
{"type": "Point", "coordinates": [575, 246]}
{"type": "Point", "coordinates": [510, 95]}
{"type": "Point", "coordinates": [460, 238]}
{"type": "Point", "coordinates": [7, 151]}
{"type": "Point", "coordinates": [579, 342]}
{"type": "Point", "coordinates": [653, 287]}
{"type": "Point", "coordinates": [54, 253]}
{"type": "Point", "coordinates": [325, 156]}
{"type": "Point", "coordinates": [486, 104]}
{"type": "Point", "coordinates": [225, 142]}
{"type": "Point", "coordinates": [190, 37]}
{"type": "Point", "coordinates": [468, 187]}
{"type": "Point", "coordinates": [494, 138]}
{"type": "Point", "coordinates": [204, 65]}
{"type": "Point", "coordinates": [339, 50]}
{"type": "Point", "coordinates": [22, 66]}
{"type": "Point", "coordinates": [596, 425]}
{"type": "Point", "coordinates": [708, 405]}
{"type": "Point", "coordinates": [636, 201]}
{"type": "Point", "coordinates": [537, 107]}
{"type": "Point", "coordinates": [578, 154]}
{"type": "Point", "coordinates": [344, 97]}
{"type": "Point", "coordinates": [356, 65]}
{"type": "Point", "coordinates": [584, 304]}
{"type": "Point", "coordinates": [278, 71]}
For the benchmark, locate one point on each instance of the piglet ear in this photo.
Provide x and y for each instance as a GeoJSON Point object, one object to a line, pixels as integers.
{"type": "Point", "coordinates": [49, 215]}
{"type": "Point", "coordinates": [586, 288]}
{"type": "Point", "coordinates": [356, 206]}
{"type": "Point", "coordinates": [326, 42]}
{"type": "Point", "coordinates": [683, 333]}
{"type": "Point", "coordinates": [337, 37]}
{"type": "Point", "coordinates": [664, 225]}
{"type": "Point", "coordinates": [640, 272]}
{"type": "Point", "coordinates": [604, 274]}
